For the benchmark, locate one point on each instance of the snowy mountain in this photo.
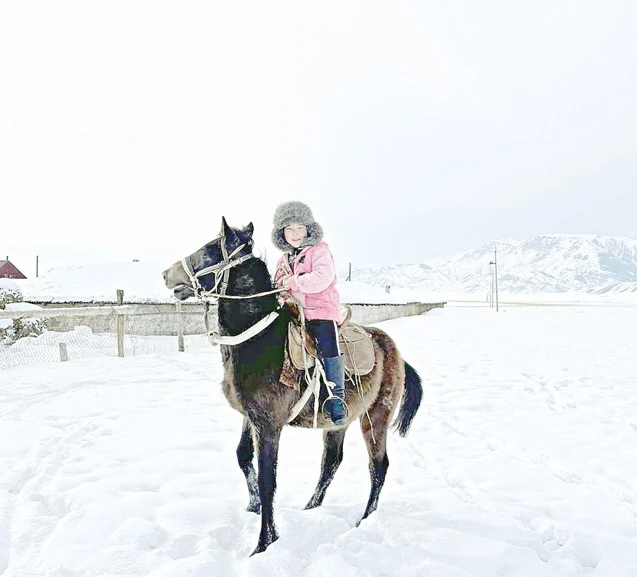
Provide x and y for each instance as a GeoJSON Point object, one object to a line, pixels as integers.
{"type": "Point", "coordinates": [546, 264]}
{"type": "Point", "coordinates": [555, 263]}
{"type": "Point", "coordinates": [618, 288]}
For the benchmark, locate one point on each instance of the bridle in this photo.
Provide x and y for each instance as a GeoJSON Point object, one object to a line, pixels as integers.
{"type": "Point", "coordinates": [221, 270]}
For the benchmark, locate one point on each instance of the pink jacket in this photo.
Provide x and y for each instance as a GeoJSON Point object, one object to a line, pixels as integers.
{"type": "Point", "coordinates": [313, 282]}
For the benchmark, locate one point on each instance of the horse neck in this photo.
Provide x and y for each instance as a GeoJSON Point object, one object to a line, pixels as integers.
{"type": "Point", "coordinates": [236, 315]}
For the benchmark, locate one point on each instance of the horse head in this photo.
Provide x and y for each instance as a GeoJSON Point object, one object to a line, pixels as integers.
{"type": "Point", "coordinates": [201, 272]}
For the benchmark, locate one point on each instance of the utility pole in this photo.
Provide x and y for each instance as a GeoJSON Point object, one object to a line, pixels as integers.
{"type": "Point", "coordinates": [37, 266]}
{"type": "Point", "coordinates": [494, 262]}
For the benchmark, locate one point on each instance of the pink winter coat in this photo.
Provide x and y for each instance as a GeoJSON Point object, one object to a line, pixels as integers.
{"type": "Point", "coordinates": [313, 282]}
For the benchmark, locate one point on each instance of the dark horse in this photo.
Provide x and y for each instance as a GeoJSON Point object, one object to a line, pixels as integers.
{"type": "Point", "coordinates": [225, 268]}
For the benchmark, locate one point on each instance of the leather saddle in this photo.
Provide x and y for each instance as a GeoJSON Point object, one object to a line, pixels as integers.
{"type": "Point", "coordinates": [354, 341]}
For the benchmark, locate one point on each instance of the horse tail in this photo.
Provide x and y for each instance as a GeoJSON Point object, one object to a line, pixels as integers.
{"type": "Point", "coordinates": [412, 396]}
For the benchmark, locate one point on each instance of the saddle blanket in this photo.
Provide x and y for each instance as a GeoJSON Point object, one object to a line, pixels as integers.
{"type": "Point", "coordinates": [354, 341]}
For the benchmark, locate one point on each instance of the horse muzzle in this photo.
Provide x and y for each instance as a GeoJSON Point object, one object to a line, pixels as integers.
{"type": "Point", "coordinates": [176, 279]}
{"type": "Point", "coordinates": [182, 292]}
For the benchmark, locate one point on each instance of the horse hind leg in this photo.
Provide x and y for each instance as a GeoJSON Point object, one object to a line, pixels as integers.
{"type": "Point", "coordinates": [332, 458]}
{"type": "Point", "coordinates": [245, 455]}
{"type": "Point", "coordinates": [267, 438]}
{"type": "Point", "coordinates": [376, 441]}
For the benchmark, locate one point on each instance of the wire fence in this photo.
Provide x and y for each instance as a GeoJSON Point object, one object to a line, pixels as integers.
{"type": "Point", "coordinates": [63, 334]}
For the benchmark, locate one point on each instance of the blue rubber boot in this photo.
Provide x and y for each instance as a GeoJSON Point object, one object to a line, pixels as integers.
{"type": "Point", "coordinates": [335, 407]}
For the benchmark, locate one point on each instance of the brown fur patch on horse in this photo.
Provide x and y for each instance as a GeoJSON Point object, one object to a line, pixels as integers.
{"type": "Point", "coordinates": [290, 376]}
{"type": "Point", "coordinates": [391, 389]}
{"type": "Point", "coordinates": [377, 393]}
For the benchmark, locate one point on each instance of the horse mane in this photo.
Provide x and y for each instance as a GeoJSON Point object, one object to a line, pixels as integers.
{"type": "Point", "coordinates": [251, 277]}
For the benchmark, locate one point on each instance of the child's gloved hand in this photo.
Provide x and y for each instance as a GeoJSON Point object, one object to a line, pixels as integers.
{"type": "Point", "coordinates": [282, 279]}
{"type": "Point", "coordinates": [285, 282]}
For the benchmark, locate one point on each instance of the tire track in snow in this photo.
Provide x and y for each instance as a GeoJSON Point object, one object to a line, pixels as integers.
{"type": "Point", "coordinates": [624, 498]}
{"type": "Point", "coordinates": [556, 402]}
{"type": "Point", "coordinates": [19, 400]}
{"type": "Point", "coordinates": [35, 508]}
{"type": "Point", "coordinates": [550, 537]}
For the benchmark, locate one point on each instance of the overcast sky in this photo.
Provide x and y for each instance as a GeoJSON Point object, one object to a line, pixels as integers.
{"type": "Point", "coordinates": [414, 129]}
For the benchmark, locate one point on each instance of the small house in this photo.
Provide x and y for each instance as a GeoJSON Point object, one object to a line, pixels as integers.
{"type": "Point", "coordinates": [9, 270]}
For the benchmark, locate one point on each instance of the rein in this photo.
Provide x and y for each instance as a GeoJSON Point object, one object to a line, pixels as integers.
{"type": "Point", "coordinates": [216, 339]}
{"type": "Point", "coordinates": [221, 271]}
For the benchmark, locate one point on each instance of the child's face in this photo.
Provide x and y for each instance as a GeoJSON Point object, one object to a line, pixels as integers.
{"type": "Point", "coordinates": [295, 234]}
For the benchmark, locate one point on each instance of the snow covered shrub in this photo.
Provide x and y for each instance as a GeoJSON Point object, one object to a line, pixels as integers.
{"type": "Point", "coordinates": [28, 327]}
{"type": "Point", "coordinates": [6, 331]}
{"type": "Point", "coordinates": [12, 330]}
{"type": "Point", "coordinates": [9, 292]}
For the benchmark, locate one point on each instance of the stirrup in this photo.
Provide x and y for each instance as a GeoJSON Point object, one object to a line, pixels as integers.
{"type": "Point", "coordinates": [338, 420]}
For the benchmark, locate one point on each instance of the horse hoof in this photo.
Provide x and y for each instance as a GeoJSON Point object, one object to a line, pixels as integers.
{"type": "Point", "coordinates": [312, 504]}
{"type": "Point", "coordinates": [254, 508]}
{"type": "Point", "coordinates": [365, 515]}
{"type": "Point", "coordinates": [261, 547]}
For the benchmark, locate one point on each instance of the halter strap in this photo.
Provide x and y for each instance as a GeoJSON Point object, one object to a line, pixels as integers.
{"type": "Point", "coordinates": [221, 271]}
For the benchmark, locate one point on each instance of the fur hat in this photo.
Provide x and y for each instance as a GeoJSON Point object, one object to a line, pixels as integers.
{"type": "Point", "coordinates": [295, 212]}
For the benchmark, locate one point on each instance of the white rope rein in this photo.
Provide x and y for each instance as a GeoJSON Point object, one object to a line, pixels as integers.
{"type": "Point", "coordinates": [263, 294]}
{"type": "Point", "coordinates": [232, 340]}
{"type": "Point", "coordinates": [220, 271]}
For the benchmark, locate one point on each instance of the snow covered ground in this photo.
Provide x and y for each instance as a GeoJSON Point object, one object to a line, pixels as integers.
{"type": "Point", "coordinates": [521, 462]}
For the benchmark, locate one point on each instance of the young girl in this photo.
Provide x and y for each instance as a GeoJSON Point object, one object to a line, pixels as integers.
{"type": "Point", "coordinates": [307, 269]}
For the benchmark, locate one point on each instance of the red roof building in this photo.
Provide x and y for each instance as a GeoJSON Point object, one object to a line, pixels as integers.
{"type": "Point", "coordinates": [8, 270]}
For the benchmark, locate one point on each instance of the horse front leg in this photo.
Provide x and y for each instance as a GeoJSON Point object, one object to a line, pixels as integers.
{"type": "Point", "coordinates": [332, 457]}
{"type": "Point", "coordinates": [245, 454]}
{"type": "Point", "coordinates": [267, 439]}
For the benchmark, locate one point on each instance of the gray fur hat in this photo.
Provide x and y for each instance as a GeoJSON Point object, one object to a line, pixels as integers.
{"type": "Point", "coordinates": [295, 212]}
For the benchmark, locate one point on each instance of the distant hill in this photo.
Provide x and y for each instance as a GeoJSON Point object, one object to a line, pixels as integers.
{"type": "Point", "coordinates": [141, 282]}
{"type": "Point", "coordinates": [555, 263]}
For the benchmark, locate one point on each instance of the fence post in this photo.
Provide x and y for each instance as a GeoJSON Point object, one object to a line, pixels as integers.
{"type": "Point", "coordinates": [64, 356]}
{"type": "Point", "coordinates": [180, 328]}
{"type": "Point", "coordinates": [120, 325]}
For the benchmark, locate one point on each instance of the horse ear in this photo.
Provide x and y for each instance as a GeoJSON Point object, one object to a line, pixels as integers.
{"type": "Point", "coordinates": [225, 229]}
{"type": "Point", "coordinates": [249, 229]}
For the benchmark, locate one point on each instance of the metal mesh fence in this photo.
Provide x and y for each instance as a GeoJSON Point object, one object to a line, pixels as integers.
{"type": "Point", "coordinates": [129, 330]}
{"type": "Point", "coordinates": [34, 341]}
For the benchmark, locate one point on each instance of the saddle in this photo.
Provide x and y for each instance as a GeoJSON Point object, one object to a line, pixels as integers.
{"type": "Point", "coordinates": [354, 341]}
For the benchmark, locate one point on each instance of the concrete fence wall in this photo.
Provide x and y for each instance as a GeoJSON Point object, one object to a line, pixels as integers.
{"type": "Point", "coordinates": [162, 319]}
{"type": "Point", "coordinates": [365, 314]}
{"type": "Point", "coordinates": [152, 319]}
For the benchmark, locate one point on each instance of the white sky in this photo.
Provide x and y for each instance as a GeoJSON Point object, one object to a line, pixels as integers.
{"type": "Point", "coordinates": [414, 129]}
{"type": "Point", "coordinates": [520, 461]}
